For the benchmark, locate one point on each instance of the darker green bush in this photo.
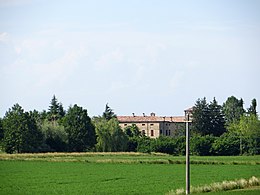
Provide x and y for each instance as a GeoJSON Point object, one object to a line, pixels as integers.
{"type": "Point", "coordinates": [202, 145]}
{"type": "Point", "coordinates": [169, 145]}
{"type": "Point", "coordinates": [165, 145]}
{"type": "Point", "coordinates": [145, 145]}
{"type": "Point", "coordinates": [226, 144]}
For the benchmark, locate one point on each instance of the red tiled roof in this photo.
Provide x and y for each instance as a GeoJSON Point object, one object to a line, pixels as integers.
{"type": "Point", "coordinates": [129, 119]}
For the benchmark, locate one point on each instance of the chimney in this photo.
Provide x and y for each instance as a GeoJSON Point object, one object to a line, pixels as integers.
{"type": "Point", "coordinates": [152, 114]}
{"type": "Point", "coordinates": [144, 114]}
{"type": "Point", "coordinates": [171, 118]}
{"type": "Point", "coordinates": [133, 114]}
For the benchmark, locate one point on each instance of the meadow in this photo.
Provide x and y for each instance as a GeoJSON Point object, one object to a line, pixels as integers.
{"type": "Point", "coordinates": [116, 173]}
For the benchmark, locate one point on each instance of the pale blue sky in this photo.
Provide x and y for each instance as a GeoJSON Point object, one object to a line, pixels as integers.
{"type": "Point", "coordinates": [139, 56]}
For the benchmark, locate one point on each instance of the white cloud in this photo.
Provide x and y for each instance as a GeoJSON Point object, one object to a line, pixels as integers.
{"type": "Point", "coordinates": [122, 65]}
{"type": "Point", "coordinates": [109, 60]}
{"type": "Point", "coordinates": [4, 37]}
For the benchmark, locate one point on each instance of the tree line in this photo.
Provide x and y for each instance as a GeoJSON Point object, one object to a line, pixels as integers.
{"type": "Point", "coordinates": [226, 129]}
{"type": "Point", "coordinates": [58, 130]}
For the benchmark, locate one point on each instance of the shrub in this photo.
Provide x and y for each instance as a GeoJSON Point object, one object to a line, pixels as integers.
{"type": "Point", "coordinates": [226, 144]}
{"type": "Point", "coordinates": [144, 145]}
{"type": "Point", "coordinates": [165, 145]}
{"type": "Point", "coordinates": [202, 145]}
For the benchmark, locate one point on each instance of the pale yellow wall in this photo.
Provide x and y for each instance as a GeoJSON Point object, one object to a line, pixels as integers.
{"type": "Point", "coordinates": [147, 127]}
{"type": "Point", "coordinates": [166, 127]}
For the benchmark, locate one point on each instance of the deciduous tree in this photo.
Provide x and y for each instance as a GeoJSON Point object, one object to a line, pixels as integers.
{"type": "Point", "coordinates": [248, 130]}
{"type": "Point", "coordinates": [80, 130]}
{"type": "Point", "coordinates": [54, 136]}
{"type": "Point", "coordinates": [21, 133]}
{"type": "Point", "coordinates": [110, 136]}
{"type": "Point", "coordinates": [132, 131]}
{"type": "Point", "coordinates": [233, 109]}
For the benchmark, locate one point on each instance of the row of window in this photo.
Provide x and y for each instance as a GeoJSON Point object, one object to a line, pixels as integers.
{"type": "Point", "coordinates": [166, 124]}
{"type": "Point", "coordinates": [142, 124]}
{"type": "Point", "coordinates": [167, 132]}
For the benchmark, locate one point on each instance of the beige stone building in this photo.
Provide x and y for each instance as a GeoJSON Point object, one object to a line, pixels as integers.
{"type": "Point", "coordinates": [154, 126]}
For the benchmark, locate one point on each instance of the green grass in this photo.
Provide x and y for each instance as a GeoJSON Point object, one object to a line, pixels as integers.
{"type": "Point", "coordinates": [131, 158]}
{"type": "Point", "coordinates": [26, 174]}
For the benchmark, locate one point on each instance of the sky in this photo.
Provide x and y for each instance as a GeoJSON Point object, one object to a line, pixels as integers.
{"type": "Point", "coordinates": [139, 56]}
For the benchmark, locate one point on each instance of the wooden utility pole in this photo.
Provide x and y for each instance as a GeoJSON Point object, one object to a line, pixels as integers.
{"type": "Point", "coordinates": [187, 156]}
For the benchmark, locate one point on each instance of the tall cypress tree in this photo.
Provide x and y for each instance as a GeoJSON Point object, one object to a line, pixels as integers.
{"type": "Point", "coordinates": [252, 108]}
{"type": "Point", "coordinates": [208, 119]}
{"type": "Point", "coordinates": [217, 121]}
{"type": "Point", "coordinates": [108, 113]}
{"type": "Point", "coordinates": [201, 117]}
{"type": "Point", "coordinates": [53, 109]}
{"type": "Point", "coordinates": [56, 110]}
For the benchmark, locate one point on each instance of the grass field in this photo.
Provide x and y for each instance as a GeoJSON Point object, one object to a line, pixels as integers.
{"type": "Point", "coordinates": [131, 158]}
{"type": "Point", "coordinates": [106, 173]}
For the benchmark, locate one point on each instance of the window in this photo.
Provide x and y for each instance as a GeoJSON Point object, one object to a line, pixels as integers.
{"type": "Point", "coordinates": [152, 134]}
{"type": "Point", "coordinates": [143, 124]}
{"type": "Point", "coordinates": [125, 124]}
{"type": "Point", "coordinates": [169, 132]}
{"type": "Point", "coordinates": [160, 131]}
{"type": "Point", "coordinates": [166, 132]}
{"type": "Point", "coordinates": [143, 132]}
{"type": "Point", "coordinates": [151, 124]}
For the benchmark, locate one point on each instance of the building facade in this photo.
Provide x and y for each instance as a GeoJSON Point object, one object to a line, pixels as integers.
{"type": "Point", "coordinates": [154, 126]}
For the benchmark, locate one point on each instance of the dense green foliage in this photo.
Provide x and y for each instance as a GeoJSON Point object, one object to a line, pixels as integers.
{"type": "Point", "coordinates": [56, 110]}
{"type": "Point", "coordinates": [108, 113]}
{"type": "Point", "coordinates": [252, 108]}
{"type": "Point", "coordinates": [248, 131]}
{"type": "Point", "coordinates": [80, 130]}
{"type": "Point", "coordinates": [55, 137]}
{"type": "Point", "coordinates": [233, 109]}
{"type": "Point", "coordinates": [132, 131]}
{"type": "Point", "coordinates": [226, 144]}
{"type": "Point", "coordinates": [21, 133]}
{"type": "Point", "coordinates": [208, 119]}
{"type": "Point", "coordinates": [202, 145]}
{"type": "Point", "coordinates": [110, 137]}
